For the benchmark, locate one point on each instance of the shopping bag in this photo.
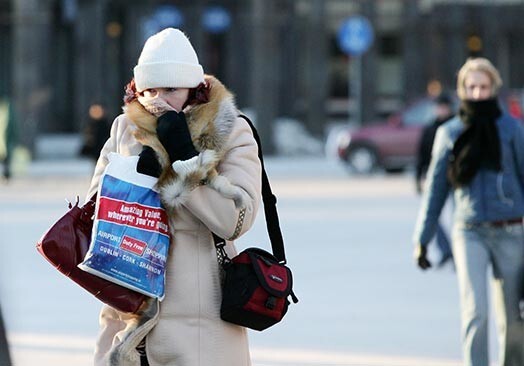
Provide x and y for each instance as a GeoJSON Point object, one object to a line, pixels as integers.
{"type": "Point", "coordinates": [130, 237]}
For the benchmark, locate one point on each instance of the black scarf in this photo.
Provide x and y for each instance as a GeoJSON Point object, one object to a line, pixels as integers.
{"type": "Point", "coordinates": [478, 146]}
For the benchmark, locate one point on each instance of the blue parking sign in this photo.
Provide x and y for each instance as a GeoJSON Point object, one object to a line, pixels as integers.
{"type": "Point", "coordinates": [216, 19]}
{"type": "Point", "coordinates": [355, 35]}
{"type": "Point", "coordinates": [168, 16]}
{"type": "Point", "coordinates": [163, 17]}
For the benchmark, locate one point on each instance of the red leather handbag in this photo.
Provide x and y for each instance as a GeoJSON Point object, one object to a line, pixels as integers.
{"type": "Point", "coordinates": [65, 244]}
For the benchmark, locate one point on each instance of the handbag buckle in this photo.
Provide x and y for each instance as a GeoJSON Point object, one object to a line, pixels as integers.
{"type": "Point", "coordinates": [222, 257]}
{"type": "Point", "coordinates": [70, 204]}
{"type": "Point", "coordinates": [271, 302]}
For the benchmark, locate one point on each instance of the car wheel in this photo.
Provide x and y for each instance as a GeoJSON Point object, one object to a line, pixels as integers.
{"type": "Point", "coordinates": [362, 159]}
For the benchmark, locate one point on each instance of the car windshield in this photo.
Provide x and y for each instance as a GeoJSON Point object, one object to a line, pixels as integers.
{"type": "Point", "coordinates": [419, 114]}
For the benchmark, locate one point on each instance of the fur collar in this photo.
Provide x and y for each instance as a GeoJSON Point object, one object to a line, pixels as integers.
{"type": "Point", "coordinates": [210, 125]}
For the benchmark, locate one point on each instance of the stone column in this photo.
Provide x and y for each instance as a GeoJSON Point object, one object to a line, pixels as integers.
{"type": "Point", "coordinates": [90, 81]}
{"type": "Point", "coordinates": [414, 42]}
{"type": "Point", "coordinates": [239, 54]}
{"type": "Point", "coordinates": [317, 66]}
{"type": "Point", "coordinates": [291, 38]}
{"type": "Point", "coordinates": [265, 75]}
{"type": "Point", "coordinates": [31, 90]}
{"type": "Point", "coordinates": [115, 76]}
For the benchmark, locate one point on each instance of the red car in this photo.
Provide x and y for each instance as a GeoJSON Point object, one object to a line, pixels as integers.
{"type": "Point", "coordinates": [391, 144]}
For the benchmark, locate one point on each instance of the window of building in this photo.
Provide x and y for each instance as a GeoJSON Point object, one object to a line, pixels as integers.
{"type": "Point", "coordinates": [5, 44]}
{"type": "Point", "coordinates": [389, 65]}
{"type": "Point", "coordinates": [338, 70]}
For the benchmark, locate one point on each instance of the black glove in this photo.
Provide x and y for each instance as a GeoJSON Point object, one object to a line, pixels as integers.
{"type": "Point", "coordinates": [173, 133]}
{"type": "Point", "coordinates": [148, 163]}
{"type": "Point", "coordinates": [421, 256]}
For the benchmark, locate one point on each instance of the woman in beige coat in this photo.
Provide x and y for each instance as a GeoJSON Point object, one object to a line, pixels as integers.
{"type": "Point", "coordinates": [209, 182]}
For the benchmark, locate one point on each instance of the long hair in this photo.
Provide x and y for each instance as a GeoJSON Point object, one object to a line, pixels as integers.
{"type": "Point", "coordinates": [478, 64]}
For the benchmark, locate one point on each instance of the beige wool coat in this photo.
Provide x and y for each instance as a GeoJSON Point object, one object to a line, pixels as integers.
{"type": "Point", "coordinates": [217, 191]}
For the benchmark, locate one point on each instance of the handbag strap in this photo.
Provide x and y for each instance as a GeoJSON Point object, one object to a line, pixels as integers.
{"type": "Point", "coordinates": [270, 211]}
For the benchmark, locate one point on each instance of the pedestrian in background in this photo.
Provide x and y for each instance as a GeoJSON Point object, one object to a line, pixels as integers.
{"type": "Point", "coordinates": [5, 357]}
{"type": "Point", "coordinates": [8, 136]}
{"type": "Point", "coordinates": [7, 143]}
{"type": "Point", "coordinates": [96, 132]}
{"type": "Point", "coordinates": [443, 112]}
{"type": "Point", "coordinates": [479, 157]}
{"type": "Point", "coordinates": [180, 123]}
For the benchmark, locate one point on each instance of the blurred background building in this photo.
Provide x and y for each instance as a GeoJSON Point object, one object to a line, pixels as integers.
{"type": "Point", "coordinates": [280, 57]}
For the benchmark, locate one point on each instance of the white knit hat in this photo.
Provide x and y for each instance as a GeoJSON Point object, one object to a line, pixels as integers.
{"type": "Point", "coordinates": [168, 60]}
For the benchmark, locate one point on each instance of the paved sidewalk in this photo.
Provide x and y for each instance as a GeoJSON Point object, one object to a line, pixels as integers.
{"type": "Point", "coordinates": [296, 166]}
{"type": "Point", "coordinates": [56, 350]}
{"type": "Point", "coordinates": [312, 193]}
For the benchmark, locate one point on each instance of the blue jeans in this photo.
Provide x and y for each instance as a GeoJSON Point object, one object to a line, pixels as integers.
{"type": "Point", "coordinates": [442, 241]}
{"type": "Point", "coordinates": [475, 248]}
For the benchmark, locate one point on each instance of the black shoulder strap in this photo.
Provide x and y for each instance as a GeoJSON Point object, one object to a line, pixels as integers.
{"type": "Point", "coordinates": [270, 205]}
{"type": "Point", "coordinates": [270, 208]}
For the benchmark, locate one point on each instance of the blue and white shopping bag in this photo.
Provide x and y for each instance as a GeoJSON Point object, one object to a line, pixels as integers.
{"type": "Point", "coordinates": [130, 239]}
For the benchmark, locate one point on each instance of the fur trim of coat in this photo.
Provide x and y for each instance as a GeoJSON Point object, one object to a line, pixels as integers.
{"type": "Point", "coordinates": [216, 191]}
{"type": "Point", "coordinates": [210, 125]}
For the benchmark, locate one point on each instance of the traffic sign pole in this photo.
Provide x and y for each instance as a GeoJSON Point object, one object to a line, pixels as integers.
{"type": "Point", "coordinates": [356, 83]}
{"type": "Point", "coordinates": [355, 36]}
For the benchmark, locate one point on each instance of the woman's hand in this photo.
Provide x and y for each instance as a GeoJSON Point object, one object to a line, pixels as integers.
{"type": "Point", "coordinates": [148, 163]}
{"type": "Point", "coordinates": [421, 257]}
{"type": "Point", "coordinates": [173, 133]}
